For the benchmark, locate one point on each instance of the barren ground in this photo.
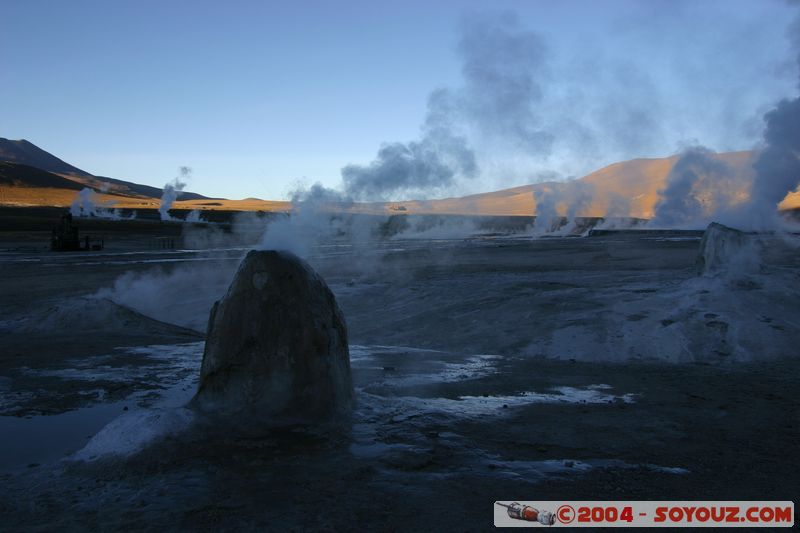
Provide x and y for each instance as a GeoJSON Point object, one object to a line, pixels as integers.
{"type": "Point", "coordinates": [486, 369]}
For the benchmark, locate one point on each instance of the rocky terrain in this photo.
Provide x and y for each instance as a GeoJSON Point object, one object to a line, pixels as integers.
{"type": "Point", "coordinates": [485, 368]}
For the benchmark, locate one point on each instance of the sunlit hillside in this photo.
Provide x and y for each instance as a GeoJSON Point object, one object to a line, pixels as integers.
{"type": "Point", "coordinates": [629, 188]}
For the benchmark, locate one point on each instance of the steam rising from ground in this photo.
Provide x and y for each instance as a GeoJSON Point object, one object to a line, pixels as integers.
{"type": "Point", "coordinates": [87, 204]}
{"type": "Point", "coordinates": [502, 104]}
{"type": "Point", "coordinates": [181, 296]}
{"type": "Point", "coordinates": [499, 62]}
{"type": "Point", "coordinates": [558, 202]}
{"type": "Point", "coordinates": [504, 68]}
{"type": "Point", "coordinates": [171, 192]}
{"type": "Point", "coordinates": [84, 203]}
{"type": "Point", "coordinates": [183, 292]}
{"type": "Point", "coordinates": [311, 220]}
{"type": "Point", "coordinates": [700, 189]}
{"type": "Point", "coordinates": [194, 216]}
{"type": "Point", "coordinates": [430, 165]}
{"type": "Point", "coordinates": [502, 65]}
{"type": "Point", "coordinates": [778, 167]}
{"type": "Point", "coordinates": [512, 80]}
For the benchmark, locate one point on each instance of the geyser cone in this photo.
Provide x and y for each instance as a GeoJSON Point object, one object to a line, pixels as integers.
{"type": "Point", "coordinates": [726, 250]}
{"type": "Point", "coordinates": [276, 344]}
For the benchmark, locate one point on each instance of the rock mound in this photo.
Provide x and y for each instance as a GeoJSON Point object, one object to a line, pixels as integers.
{"type": "Point", "coordinates": [727, 250]}
{"type": "Point", "coordinates": [276, 344]}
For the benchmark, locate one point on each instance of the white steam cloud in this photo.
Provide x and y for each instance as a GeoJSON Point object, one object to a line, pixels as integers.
{"type": "Point", "coordinates": [701, 188]}
{"type": "Point", "coordinates": [172, 191]}
{"type": "Point", "coordinates": [87, 204]}
{"type": "Point", "coordinates": [498, 99]}
{"type": "Point", "coordinates": [84, 203]}
{"type": "Point", "coordinates": [778, 167]}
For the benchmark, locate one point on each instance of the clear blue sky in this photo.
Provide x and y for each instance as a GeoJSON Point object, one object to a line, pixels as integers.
{"type": "Point", "coordinates": [257, 95]}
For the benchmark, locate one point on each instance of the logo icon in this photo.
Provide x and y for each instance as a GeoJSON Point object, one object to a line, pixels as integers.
{"type": "Point", "coordinates": [565, 514]}
{"type": "Point", "coordinates": [527, 513]}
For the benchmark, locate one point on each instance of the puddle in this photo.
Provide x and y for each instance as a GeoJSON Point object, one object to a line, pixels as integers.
{"type": "Point", "coordinates": [473, 367]}
{"type": "Point", "coordinates": [43, 439]}
{"type": "Point", "coordinates": [174, 370]}
{"type": "Point", "coordinates": [533, 471]}
{"type": "Point", "coordinates": [421, 367]}
{"type": "Point", "coordinates": [406, 366]}
{"type": "Point", "coordinates": [359, 352]}
{"type": "Point", "coordinates": [476, 406]}
{"type": "Point", "coordinates": [168, 365]}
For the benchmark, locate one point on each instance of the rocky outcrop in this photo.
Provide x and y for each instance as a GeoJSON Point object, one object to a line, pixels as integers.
{"type": "Point", "coordinates": [726, 250]}
{"type": "Point", "coordinates": [276, 344]}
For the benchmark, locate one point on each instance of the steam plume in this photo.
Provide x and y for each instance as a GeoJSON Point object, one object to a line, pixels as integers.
{"type": "Point", "coordinates": [557, 202]}
{"type": "Point", "coordinates": [778, 166]}
{"type": "Point", "coordinates": [499, 63]}
{"type": "Point", "coordinates": [700, 189]}
{"type": "Point", "coordinates": [84, 203]}
{"type": "Point", "coordinates": [194, 216]}
{"type": "Point", "coordinates": [171, 192]}
{"type": "Point", "coordinates": [87, 204]}
{"type": "Point", "coordinates": [420, 167]}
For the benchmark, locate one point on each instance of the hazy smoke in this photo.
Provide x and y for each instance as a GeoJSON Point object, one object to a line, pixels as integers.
{"type": "Point", "coordinates": [618, 213]}
{"type": "Point", "coordinates": [84, 203]}
{"type": "Point", "coordinates": [182, 295]}
{"type": "Point", "coordinates": [618, 206]}
{"type": "Point", "coordinates": [778, 166]}
{"type": "Point", "coordinates": [245, 231]}
{"type": "Point", "coordinates": [118, 215]}
{"type": "Point", "coordinates": [498, 99]}
{"type": "Point", "coordinates": [559, 203]}
{"type": "Point", "coordinates": [429, 165]}
{"type": "Point", "coordinates": [547, 219]}
{"type": "Point", "coordinates": [578, 197]}
{"type": "Point", "coordinates": [505, 106]}
{"type": "Point", "coordinates": [87, 204]}
{"type": "Point", "coordinates": [700, 189]}
{"type": "Point", "coordinates": [194, 216]}
{"type": "Point", "coordinates": [171, 192]}
{"type": "Point", "coordinates": [311, 220]}
{"type": "Point", "coordinates": [500, 65]}
{"type": "Point", "coordinates": [404, 227]}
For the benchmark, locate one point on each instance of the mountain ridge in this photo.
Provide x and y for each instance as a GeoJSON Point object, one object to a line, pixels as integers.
{"type": "Point", "coordinates": [26, 153]}
{"type": "Point", "coordinates": [625, 188]}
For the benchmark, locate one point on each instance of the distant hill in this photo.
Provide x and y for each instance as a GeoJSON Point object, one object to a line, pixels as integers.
{"type": "Point", "coordinates": [26, 153]}
{"type": "Point", "coordinates": [18, 175]}
{"type": "Point", "coordinates": [629, 187]}
{"type": "Point", "coordinates": [32, 177]}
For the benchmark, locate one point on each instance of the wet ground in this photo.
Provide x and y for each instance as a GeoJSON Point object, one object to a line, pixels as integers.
{"type": "Point", "coordinates": [485, 369]}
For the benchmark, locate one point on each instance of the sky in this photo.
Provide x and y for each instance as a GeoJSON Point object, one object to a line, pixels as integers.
{"type": "Point", "coordinates": [260, 97]}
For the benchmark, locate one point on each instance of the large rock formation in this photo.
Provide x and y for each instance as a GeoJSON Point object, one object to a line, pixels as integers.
{"type": "Point", "coordinates": [276, 344]}
{"type": "Point", "coordinates": [726, 250]}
